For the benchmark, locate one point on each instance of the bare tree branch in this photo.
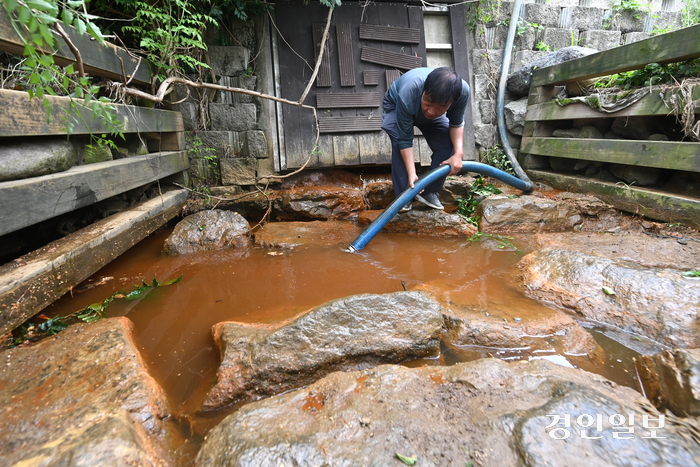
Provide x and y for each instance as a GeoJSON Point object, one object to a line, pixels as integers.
{"type": "Point", "coordinates": [320, 57]}
{"type": "Point", "coordinates": [73, 49]}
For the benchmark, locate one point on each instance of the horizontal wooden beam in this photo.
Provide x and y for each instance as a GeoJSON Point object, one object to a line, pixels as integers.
{"type": "Point", "coordinates": [653, 204]}
{"type": "Point", "coordinates": [108, 61]}
{"type": "Point", "coordinates": [675, 46]}
{"type": "Point", "coordinates": [22, 116]}
{"type": "Point", "coordinates": [659, 154]}
{"type": "Point", "coordinates": [651, 104]}
{"type": "Point", "coordinates": [37, 279]}
{"type": "Point", "coordinates": [32, 200]}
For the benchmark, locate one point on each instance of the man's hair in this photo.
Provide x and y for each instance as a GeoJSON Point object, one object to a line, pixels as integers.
{"type": "Point", "coordinates": [443, 85]}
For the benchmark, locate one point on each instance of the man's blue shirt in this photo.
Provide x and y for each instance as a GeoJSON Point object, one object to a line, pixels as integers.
{"type": "Point", "coordinates": [406, 94]}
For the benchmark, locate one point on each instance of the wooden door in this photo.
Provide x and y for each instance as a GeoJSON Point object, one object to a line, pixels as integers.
{"type": "Point", "coordinates": [369, 45]}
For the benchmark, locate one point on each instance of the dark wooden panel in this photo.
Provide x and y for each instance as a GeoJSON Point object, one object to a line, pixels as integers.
{"type": "Point", "coordinates": [659, 154]}
{"type": "Point", "coordinates": [390, 59]}
{"type": "Point", "coordinates": [41, 277]}
{"type": "Point", "coordinates": [294, 22]}
{"type": "Point", "coordinates": [338, 100]}
{"type": "Point", "coordinates": [389, 34]}
{"type": "Point", "coordinates": [106, 61]}
{"type": "Point", "coordinates": [646, 202]}
{"type": "Point", "coordinates": [675, 46]}
{"type": "Point", "coordinates": [370, 77]}
{"type": "Point", "coordinates": [347, 124]}
{"type": "Point", "coordinates": [22, 116]}
{"type": "Point", "coordinates": [346, 64]}
{"type": "Point", "coordinates": [415, 20]}
{"type": "Point", "coordinates": [391, 76]}
{"type": "Point", "coordinates": [45, 197]}
{"type": "Point", "coordinates": [323, 78]}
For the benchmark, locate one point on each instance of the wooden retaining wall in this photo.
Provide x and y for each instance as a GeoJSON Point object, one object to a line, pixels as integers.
{"type": "Point", "coordinates": [32, 282]}
{"type": "Point", "coordinates": [545, 115]}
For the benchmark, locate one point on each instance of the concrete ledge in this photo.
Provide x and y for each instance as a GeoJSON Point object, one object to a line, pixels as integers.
{"type": "Point", "coordinates": [36, 280]}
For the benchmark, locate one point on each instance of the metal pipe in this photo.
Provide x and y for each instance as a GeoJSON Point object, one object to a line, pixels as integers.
{"type": "Point", "coordinates": [500, 98]}
{"type": "Point", "coordinates": [378, 224]}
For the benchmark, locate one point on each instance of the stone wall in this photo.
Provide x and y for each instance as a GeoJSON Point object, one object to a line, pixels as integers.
{"type": "Point", "coordinates": [225, 136]}
{"type": "Point", "coordinates": [545, 26]}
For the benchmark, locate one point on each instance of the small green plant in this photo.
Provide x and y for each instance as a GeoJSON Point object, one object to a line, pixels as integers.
{"type": "Point", "coordinates": [542, 47]}
{"type": "Point", "coordinates": [198, 150]}
{"type": "Point", "coordinates": [652, 74]}
{"type": "Point", "coordinates": [407, 460]}
{"type": "Point", "coordinates": [90, 313]}
{"type": "Point", "coordinates": [170, 34]}
{"type": "Point", "coordinates": [691, 274]}
{"type": "Point", "coordinates": [466, 206]}
{"type": "Point", "coordinates": [496, 157]}
{"type": "Point", "coordinates": [482, 12]}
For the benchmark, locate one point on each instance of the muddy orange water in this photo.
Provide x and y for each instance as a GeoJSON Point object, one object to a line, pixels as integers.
{"type": "Point", "coordinates": [172, 324]}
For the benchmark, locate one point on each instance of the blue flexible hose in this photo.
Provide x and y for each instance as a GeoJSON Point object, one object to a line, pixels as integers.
{"type": "Point", "coordinates": [378, 224]}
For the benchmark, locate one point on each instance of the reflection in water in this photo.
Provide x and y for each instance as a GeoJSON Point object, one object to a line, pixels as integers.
{"type": "Point", "coordinates": [173, 324]}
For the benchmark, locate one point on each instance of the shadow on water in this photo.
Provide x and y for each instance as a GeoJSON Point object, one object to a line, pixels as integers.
{"type": "Point", "coordinates": [173, 324]}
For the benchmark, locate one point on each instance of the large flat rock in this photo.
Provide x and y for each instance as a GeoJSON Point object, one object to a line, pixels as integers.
{"type": "Point", "coordinates": [526, 214]}
{"type": "Point", "coordinates": [423, 222]}
{"type": "Point", "coordinates": [642, 249]}
{"type": "Point", "coordinates": [657, 303]}
{"type": "Point", "coordinates": [85, 390]}
{"type": "Point", "coordinates": [289, 235]}
{"type": "Point", "coordinates": [355, 332]}
{"type": "Point", "coordinates": [486, 413]}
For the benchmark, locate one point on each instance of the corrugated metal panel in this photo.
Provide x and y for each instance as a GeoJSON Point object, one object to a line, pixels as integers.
{"type": "Point", "coordinates": [391, 76]}
{"type": "Point", "coordinates": [389, 34]}
{"type": "Point", "coordinates": [345, 62]}
{"type": "Point", "coordinates": [346, 100]}
{"type": "Point", "coordinates": [390, 59]}
{"type": "Point", "coordinates": [323, 78]}
{"type": "Point", "coordinates": [370, 78]}
{"type": "Point", "coordinates": [349, 124]}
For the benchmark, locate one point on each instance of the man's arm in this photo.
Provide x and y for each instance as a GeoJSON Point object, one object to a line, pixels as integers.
{"type": "Point", "coordinates": [457, 138]}
{"type": "Point", "coordinates": [407, 156]}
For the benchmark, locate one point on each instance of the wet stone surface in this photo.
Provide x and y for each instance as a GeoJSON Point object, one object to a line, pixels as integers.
{"type": "Point", "coordinates": [672, 380]}
{"type": "Point", "coordinates": [82, 395]}
{"type": "Point", "coordinates": [355, 332]}
{"type": "Point", "coordinates": [311, 203]}
{"type": "Point", "coordinates": [487, 412]}
{"type": "Point", "coordinates": [208, 230]}
{"type": "Point", "coordinates": [526, 214]}
{"type": "Point", "coordinates": [657, 303]}
{"type": "Point", "coordinates": [643, 249]}
{"type": "Point", "coordinates": [289, 235]}
{"type": "Point", "coordinates": [423, 222]}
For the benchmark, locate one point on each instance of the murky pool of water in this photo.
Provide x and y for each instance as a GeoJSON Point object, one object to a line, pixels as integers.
{"type": "Point", "coordinates": [172, 324]}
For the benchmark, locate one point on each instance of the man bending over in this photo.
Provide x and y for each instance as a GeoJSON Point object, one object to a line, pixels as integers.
{"type": "Point", "coordinates": [434, 100]}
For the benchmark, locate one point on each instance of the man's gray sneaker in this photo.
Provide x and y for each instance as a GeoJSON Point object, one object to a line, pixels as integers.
{"type": "Point", "coordinates": [430, 199]}
{"type": "Point", "coordinates": [407, 207]}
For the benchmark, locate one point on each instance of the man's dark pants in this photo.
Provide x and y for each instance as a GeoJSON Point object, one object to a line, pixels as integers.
{"type": "Point", "coordinates": [437, 135]}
